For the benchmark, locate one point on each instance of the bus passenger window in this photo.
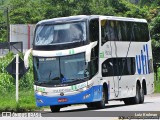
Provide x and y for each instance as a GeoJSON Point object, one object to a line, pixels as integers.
{"type": "Point", "coordinates": [119, 36]}
{"type": "Point", "coordinates": [107, 68]}
{"type": "Point", "coordinates": [144, 32]}
{"type": "Point", "coordinates": [94, 30]}
{"type": "Point", "coordinates": [118, 66]}
{"type": "Point", "coordinates": [130, 33]}
{"type": "Point", "coordinates": [112, 31]}
{"type": "Point", "coordinates": [137, 32]}
{"type": "Point", "coordinates": [123, 31]}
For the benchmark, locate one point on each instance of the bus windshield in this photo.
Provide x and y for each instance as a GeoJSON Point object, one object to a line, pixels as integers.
{"type": "Point", "coordinates": [60, 70]}
{"type": "Point", "coordinates": [60, 33]}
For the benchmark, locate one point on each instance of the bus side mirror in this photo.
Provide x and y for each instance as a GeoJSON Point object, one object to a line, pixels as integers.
{"type": "Point", "coordinates": [26, 56]}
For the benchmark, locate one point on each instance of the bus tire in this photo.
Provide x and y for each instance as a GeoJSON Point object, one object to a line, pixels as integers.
{"type": "Point", "coordinates": [136, 99]}
{"type": "Point", "coordinates": [127, 101]}
{"type": "Point", "coordinates": [141, 95]}
{"type": "Point", "coordinates": [90, 105]}
{"type": "Point", "coordinates": [101, 104]}
{"type": "Point", "coordinates": [55, 108]}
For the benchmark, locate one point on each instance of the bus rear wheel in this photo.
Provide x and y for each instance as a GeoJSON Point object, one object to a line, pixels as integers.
{"type": "Point", "coordinates": [127, 101]}
{"type": "Point", "coordinates": [141, 95]}
{"type": "Point", "coordinates": [55, 108]}
{"type": "Point", "coordinates": [134, 100]}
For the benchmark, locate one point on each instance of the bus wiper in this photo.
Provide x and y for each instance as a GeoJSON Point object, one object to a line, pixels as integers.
{"type": "Point", "coordinates": [50, 75]}
{"type": "Point", "coordinates": [77, 79]}
{"type": "Point", "coordinates": [40, 83]}
{"type": "Point", "coordinates": [56, 78]}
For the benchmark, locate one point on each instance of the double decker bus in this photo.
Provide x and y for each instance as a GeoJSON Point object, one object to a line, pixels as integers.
{"type": "Point", "coordinates": [91, 59]}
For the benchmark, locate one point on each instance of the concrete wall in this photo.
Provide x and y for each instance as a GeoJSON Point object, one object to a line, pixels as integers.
{"type": "Point", "coordinates": [24, 33]}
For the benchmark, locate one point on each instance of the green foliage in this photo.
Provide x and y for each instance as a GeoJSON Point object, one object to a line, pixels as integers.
{"type": "Point", "coordinates": [157, 82]}
{"type": "Point", "coordinates": [155, 28]}
{"type": "Point", "coordinates": [26, 102]}
{"type": "Point", "coordinates": [25, 11]}
{"type": "Point", "coordinates": [155, 34]}
{"type": "Point", "coordinates": [5, 61]}
{"type": "Point", "coordinates": [7, 82]}
{"type": "Point", "coordinates": [7, 88]}
{"type": "Point", "coordinates": [157, 87]}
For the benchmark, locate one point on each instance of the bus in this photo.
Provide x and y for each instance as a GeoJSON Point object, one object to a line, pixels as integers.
{"type": "Point", "coordinates": [91, 59]}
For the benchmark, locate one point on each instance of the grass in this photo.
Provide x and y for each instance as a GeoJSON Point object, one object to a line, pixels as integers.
{"type": "Point", "coordinates": [157, 82]}
{"type": "Point", "coordinates": [26, 102]}
{"type": "Point", "coordinates": [157, 86]}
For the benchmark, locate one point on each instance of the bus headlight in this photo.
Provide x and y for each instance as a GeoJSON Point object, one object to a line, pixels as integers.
{"type": "Point", "coordinates": [85, 88]}
{"type": "Point", "coordinates": [41, 93]}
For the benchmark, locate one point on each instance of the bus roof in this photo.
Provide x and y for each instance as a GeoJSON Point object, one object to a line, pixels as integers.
{"type": "Point", "coordinates": [84, 17]}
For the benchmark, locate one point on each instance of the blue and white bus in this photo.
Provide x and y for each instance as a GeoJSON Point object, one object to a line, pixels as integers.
{"type": "Point", "coordinates": [91, 59]}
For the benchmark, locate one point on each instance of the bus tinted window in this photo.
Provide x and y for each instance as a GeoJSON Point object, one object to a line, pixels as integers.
{"type": "Point", "coordinates": [144, 32]}
{"type": "Point", "coordinates": [94, 30]}
{"type": "Point", "coordinates": [137, 32]}
{"type": "Point", "coordinates": [123, 27]}
{"type": "Point", "coordinates": [112, 30]}
{"type": "Point", "coordinates": [109, 31]}
{"type": "Point", "coordinates": [118, 67]}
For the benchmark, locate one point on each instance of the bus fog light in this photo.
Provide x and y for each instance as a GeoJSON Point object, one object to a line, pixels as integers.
{"type": "Point", "coordinates": [39, 100]}
{"type": "Point", "coordinates": [86, 96]}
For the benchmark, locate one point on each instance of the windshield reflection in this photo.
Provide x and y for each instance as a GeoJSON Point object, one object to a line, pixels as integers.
{"type": "Point", "coordinates": [60, 70]}
{"type": "Point", "coordinates": [60, 33]}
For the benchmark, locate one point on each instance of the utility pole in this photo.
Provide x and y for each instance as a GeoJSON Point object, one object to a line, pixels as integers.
{"type": "Point", "coordinates": [8, 40]}
{"type": "Point", "coordinates": [17, 76]}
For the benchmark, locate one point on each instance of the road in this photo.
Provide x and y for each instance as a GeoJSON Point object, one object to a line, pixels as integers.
{"type": "Point", "coordinates": [151, 103]}
{"type": "Point", "coordinates": [112, 110]}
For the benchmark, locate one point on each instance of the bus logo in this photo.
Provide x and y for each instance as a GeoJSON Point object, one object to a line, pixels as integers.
{"type": "Point", "coordinates": [142, 61]}
{"type": "Point", "coordinates": [61, 94]}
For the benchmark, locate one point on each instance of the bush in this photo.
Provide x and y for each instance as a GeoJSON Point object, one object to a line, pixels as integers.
{"type": "Point", "coordinates": [7, 82]}
{"type": "Point", "coordinates": [7, 88]}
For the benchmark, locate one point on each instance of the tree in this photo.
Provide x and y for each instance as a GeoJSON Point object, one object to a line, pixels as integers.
{"type": "Point", "coordinates": [155, 34]}
{"type": "Point", "coordinates": [25, 11]}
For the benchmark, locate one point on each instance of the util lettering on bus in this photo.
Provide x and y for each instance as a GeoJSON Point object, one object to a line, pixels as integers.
{"type": "Point", "coordinates": [142, 61]}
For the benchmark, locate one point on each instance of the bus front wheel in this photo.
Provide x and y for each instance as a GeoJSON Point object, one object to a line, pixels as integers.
{"type": "Point", "coordinates": [55, 108]}
{"type": "Point", "coordinates": [90, 105]}
{"type": "Point", "coordinates": [101, 104]}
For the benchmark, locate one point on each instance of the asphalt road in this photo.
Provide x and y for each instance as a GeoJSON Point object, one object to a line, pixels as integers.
{"type": "Point", "coordinates": [112, 111]}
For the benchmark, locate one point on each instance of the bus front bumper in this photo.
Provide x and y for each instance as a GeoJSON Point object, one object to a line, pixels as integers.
{"type": "Point", "coordinates": [90, 95]}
